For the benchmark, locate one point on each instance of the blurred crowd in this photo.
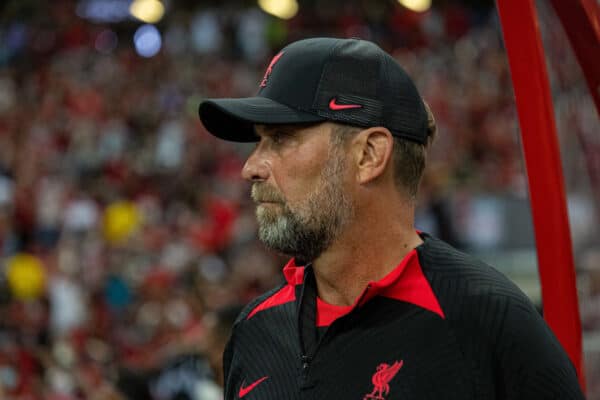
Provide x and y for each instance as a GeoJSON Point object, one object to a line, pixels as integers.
{"type": "Point", "coordinates": [127, 237]}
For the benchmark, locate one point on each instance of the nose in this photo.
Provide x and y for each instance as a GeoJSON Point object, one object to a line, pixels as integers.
{"type": "Point", "coordinates": [256, 168]}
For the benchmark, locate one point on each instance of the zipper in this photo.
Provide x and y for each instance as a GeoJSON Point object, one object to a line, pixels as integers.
{"type": "Point", "coordinates": [306, 363]}
{"type": "Point", "coordinates": [306, 360]}
{"type": "Point", "coordinates": [309, 352]}
{"type": "Point", "coordinates": [305, 383]}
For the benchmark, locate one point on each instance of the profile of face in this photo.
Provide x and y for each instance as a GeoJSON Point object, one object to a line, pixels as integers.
{"type": "Point", "coordinates": [302, 205]}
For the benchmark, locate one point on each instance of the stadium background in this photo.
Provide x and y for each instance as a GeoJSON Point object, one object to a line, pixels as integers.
{"type": "Point", "coordinates": [127, 238]}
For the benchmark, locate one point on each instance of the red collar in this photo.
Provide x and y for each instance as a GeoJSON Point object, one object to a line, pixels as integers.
{"type": "Point", "coordinates": [406, 283]}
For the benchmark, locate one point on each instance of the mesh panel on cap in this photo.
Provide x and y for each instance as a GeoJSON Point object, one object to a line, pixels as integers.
{"type": "Point", "coordinates": [360, 73]}
{"type": "Point", "coordinates": [404, 112]}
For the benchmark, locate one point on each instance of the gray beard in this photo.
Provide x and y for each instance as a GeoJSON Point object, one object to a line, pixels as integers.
{"type": "Point", "coordinates": [305, 233]}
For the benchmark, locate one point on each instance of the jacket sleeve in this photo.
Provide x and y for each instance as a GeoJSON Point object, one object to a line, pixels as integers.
{"type": "Point", "coordinates": [533, 364]}
{"type": "Point", "coordinates": [230, 380]}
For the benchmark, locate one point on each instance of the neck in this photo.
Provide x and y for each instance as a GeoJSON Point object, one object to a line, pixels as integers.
{"type": "Point", "coordinates": [363, 253]}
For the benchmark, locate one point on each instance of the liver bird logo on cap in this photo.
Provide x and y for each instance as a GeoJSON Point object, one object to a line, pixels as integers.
{"type": "Point", "coordinates": [385, 373]}
{"type": "Point", "coordinates": [263, 83]}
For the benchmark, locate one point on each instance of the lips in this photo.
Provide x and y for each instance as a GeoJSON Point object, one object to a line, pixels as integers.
{"type": "Point", "coordinates": [265, 194]}
{"type": "Point", "coordinates": [266, 200]}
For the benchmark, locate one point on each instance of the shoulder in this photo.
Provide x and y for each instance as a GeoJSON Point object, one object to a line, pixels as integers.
{"type": "Point", "coordinates": [454, 274]}
{"type": "Point", "coordinates": [474, 296]}
{"type": "Point", "coordinates": [488, 311]}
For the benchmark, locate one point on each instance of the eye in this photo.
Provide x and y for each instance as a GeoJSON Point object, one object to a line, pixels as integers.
{"type": "Point", "coordinates": [279, 137]}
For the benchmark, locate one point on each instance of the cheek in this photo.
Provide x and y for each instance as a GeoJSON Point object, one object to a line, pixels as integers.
{"type": "Point", "coordinates": [298, 180]}
{"type": "Point", "coordinates": [297, 169]}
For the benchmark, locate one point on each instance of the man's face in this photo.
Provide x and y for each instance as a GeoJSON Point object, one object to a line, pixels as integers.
{"type": "Point", "coordinates": [298, 184]}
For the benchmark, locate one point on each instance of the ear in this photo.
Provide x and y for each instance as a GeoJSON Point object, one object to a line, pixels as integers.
{"type": "Point", "coordinates": [373, 152]}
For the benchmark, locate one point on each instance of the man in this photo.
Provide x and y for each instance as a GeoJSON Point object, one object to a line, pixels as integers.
{"type": "Point", "coordinates": [371, 308]}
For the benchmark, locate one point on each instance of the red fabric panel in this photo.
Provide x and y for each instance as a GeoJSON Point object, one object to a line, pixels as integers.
{"type": "Point", "coordinates": [285, 295]}
{"type": "Point", "coordinates": [406, 283]}
{"type": "Point", "coordinates": [327, 313]}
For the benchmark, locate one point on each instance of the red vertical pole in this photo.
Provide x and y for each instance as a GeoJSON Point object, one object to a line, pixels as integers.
{"type": "Point", "coordinates": [544, 171]}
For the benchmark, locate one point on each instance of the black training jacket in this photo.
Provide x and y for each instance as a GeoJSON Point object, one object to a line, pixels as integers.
{"type": "Point", "coordinates": [441, 325]}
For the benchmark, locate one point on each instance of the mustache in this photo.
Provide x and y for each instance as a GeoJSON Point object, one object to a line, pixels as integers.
{"type": "Point", "coordinates": [263, 193]}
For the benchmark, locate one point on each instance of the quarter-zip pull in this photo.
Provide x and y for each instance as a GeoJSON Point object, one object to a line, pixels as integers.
{"type": "Point", "coordinates": [306, 383]}
{"type": "Point", "coordinates": [305, 362]}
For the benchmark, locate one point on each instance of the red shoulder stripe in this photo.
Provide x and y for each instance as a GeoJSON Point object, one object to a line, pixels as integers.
{"type": "Point", "coordinates": [294, 275]}
{"type": "Point", "coordinates": [285, 295]}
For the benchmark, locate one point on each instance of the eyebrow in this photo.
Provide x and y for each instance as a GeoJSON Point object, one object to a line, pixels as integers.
{"type": "Point", "coordinates": [278, 127]}
{"type": "Point", "coordinates": [271, 129]}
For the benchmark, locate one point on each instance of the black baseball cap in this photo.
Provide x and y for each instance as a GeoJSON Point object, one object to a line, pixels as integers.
{"type": "Point", "coordinates": [350, 81]}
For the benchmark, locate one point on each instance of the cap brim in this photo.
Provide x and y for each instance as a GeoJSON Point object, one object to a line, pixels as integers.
{"type": "Point", "coordinates": [234, 119]}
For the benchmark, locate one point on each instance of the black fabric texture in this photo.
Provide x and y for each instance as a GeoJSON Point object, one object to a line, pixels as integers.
{"type": "Point", "coordinates": [492, 344]}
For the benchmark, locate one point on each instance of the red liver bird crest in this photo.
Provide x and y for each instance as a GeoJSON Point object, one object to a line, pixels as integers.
{"type": "Point", "coordinates": [385, 373]}
{"type": "Point", "coordinates": [263, 83]}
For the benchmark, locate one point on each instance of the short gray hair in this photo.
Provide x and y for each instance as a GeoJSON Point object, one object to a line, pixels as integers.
{"type": "Point", "coordinates": [409, 157]}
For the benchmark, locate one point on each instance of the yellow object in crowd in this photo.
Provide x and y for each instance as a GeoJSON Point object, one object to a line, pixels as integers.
{"type": "Point", "coordinates": [121, 220]}
{"type": "Point", "coordinates": [26, 276]}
